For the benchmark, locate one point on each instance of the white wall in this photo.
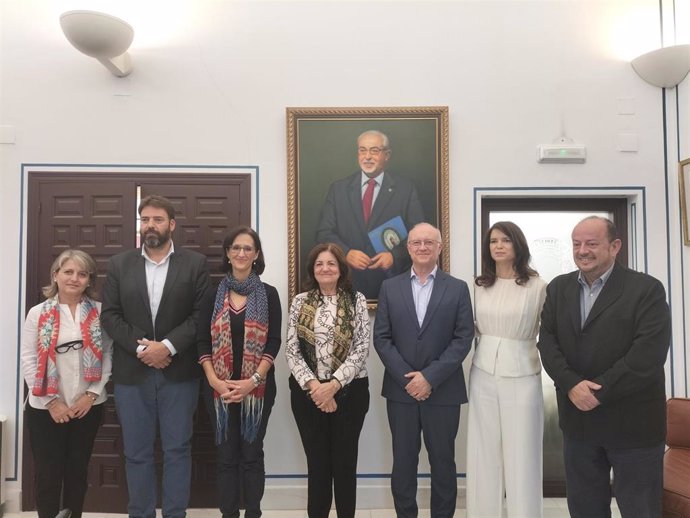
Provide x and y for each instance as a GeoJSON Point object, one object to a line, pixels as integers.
{"type": "Point", "coordinates": [214, 90]}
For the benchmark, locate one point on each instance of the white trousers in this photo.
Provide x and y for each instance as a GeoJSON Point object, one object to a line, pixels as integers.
{"type": "Point", "coordinates": [504, 446]}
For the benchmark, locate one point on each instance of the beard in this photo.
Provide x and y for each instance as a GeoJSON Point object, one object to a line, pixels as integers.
{"type": "Point", "coordinates": [154, 239]}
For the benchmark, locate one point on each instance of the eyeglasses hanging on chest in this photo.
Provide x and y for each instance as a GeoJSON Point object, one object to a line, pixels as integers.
{"type": "Point", "coordinates": [74, 344]}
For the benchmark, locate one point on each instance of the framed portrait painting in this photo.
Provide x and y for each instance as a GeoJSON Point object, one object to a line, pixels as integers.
{"type": "Point", "coordinates": [684, 181]}
{"type": "Point", "coordinates": [362, 178]}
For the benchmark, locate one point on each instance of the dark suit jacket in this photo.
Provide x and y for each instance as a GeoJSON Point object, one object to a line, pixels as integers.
{"type": "Point", "coordinates": [436, 349]}
{"type": "Point", "coordinates": [342, 222]}
{"type": "Point", "coordinates": [622, 347]}
{"type": "Point", "coordinates": [126, 314]}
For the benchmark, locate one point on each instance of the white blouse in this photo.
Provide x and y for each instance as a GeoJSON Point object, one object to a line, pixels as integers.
{"type": "Point", "coordinates": [507, 321]}
{"type": "Point", "coordinates": [70, 366]}
{"type": "Point", "coordinates": [354, 365]}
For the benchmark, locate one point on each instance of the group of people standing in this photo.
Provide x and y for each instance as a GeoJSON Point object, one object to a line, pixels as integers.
{"type": "Point", "coordinates": [603, 336]}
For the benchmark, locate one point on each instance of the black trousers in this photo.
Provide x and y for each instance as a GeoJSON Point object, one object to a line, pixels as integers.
{"type": "Point", "coordinates": [241, 471]}
{"type": "Point", "coordinates": [331, 442]}
{"type": "Point", "coordinates": [638, 475]}
{"type": "Point", "coordinates": [61, 459]}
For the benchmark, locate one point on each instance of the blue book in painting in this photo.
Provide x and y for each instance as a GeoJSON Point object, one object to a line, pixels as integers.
{"type": "Point", "coordinates": [389, 235]}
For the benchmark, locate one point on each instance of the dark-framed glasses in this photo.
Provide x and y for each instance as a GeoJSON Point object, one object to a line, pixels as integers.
{"type": "Point", "coordinates": [74, 344]}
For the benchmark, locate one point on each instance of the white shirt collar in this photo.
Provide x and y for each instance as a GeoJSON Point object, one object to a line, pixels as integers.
{"type": "Point", "coordinates": [148, 258]}
{"type": "Point", "coordinates": [378, 179]}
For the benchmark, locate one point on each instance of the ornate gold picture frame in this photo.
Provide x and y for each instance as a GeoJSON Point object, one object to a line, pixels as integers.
{"type": "Point", "coordinates": [322, 152]}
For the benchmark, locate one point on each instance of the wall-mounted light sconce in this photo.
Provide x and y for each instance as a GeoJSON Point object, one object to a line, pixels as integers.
{"type": "Point", "coordinates": [100, 36]}
{"type": "Point", "coordinates": [665, 67]}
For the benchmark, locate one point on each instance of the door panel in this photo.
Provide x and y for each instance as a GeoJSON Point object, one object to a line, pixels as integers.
{"type": "Point", "coordinates": [204, 212]}
{"type": "Point", "coordinates": [72, 213]}
{"type": "Point", "coordinates": [98, 213]}
{"type": "Point", "coordinates": [107, 481]}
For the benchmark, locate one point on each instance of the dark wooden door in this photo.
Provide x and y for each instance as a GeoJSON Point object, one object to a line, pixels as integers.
{"type": "Point", "coordinates": [67, 212]}
{"type": "Point", "coordinates": [97, 213]}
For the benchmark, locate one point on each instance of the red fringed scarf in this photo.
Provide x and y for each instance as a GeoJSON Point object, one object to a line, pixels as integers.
{"type": "Point", "coordinates": [255, 337]}
{"type": "Point", "coordinates": [46, 381]}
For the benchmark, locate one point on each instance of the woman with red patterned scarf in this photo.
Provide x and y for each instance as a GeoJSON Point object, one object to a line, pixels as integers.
{"type": "Point", "coordinates": [66, 361]}
{"type": "Point", "coordinates": [239, 337]}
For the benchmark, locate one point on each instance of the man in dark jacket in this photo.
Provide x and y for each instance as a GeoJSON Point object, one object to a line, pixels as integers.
{"type": "Point", "coordinates": [151, 303]}
{"type": "Point", "coordinates": [604, 337]}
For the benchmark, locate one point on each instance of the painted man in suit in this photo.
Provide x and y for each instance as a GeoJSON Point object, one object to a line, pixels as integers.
{"type": "Point", "coordinates": [361, 202]}
{"type": "Point", "coordinates": [604, 337]}
{"type": "Point", "coordinates": [423, 331]}
{"type": "Point", "coordinates": [150, 306]}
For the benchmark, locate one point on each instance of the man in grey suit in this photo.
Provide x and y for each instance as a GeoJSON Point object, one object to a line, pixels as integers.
{"type": "Point", "coordinates": [423, 332]}
{"type": "Point", "coordinates": [605, 332]}
{"type": "Point", "coordinates": [151, 302]}
{"type": "Point", "coordinates": [361, 202]}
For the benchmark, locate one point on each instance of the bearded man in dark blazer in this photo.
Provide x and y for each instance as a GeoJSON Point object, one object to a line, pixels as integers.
{"type": "Point", "coordinates": [422, 333]}
{"type": "Point", "coordinates": [151, 303]}
{"type": "Point", "coordinates": [349, 213]}
{"type": "Point", "coordinates": [604, 337]}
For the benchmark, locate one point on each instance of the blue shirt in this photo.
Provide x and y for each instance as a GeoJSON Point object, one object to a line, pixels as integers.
{"type": "Point", "coordinates": [421, 293]}
{"type": "Point", "coordinates": [589, 294]}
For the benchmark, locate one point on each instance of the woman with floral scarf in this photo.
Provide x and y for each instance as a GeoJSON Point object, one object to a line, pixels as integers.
{"type": "Point", "coordinates": [66, 361]}
{"type": "Point", "coordinates": [327, 349]}
{"type": "Point", "coordinates": [239, 337]}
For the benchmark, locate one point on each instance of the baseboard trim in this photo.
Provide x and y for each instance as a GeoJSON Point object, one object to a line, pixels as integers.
{"type": "Point", "coordinates": [374, 494]}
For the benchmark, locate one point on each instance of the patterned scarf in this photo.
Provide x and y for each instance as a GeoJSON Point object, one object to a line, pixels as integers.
{"type": "Point", "coordinates": [342, 330]}
{"type": "Point", "coordinates": [46, 381]}
{"type": "Point", "coordinates": [255, 336]}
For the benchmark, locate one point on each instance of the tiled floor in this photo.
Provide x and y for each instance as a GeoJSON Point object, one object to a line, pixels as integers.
{"type": "Point", "coordinates": [553, 508]}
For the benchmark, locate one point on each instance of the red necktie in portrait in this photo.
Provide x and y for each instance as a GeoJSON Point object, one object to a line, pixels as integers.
{"type": "Point", "coordinates": [367, 200]}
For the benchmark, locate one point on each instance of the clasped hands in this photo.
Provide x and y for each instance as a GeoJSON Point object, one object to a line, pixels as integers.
{"type": "Point", "coordinates": [61, 413]}
{"type": "Point", "coordinates": [582, 395]}
{"type": "Point", "coordinates": [323, 394]}
{"type": "Point", "coordinates": [418, 387]}
{"type": "Point", "coordinates": [156, 354]}
{"type": "Point", "coordinates": [360, 261]}
{"type": "Point", "coordinates": [233, 391]}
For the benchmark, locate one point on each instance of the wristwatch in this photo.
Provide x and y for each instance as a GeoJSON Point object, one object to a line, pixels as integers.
{"type": "Point", "coordinates": [256, 379]}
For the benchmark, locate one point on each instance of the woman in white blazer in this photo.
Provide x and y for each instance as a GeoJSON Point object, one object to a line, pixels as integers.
{"type": "Point", "coordinates": [506, 410]}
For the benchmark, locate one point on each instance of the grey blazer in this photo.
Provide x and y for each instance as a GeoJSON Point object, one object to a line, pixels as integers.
{"type": "Point", "coordinates": [126, 314]}
{"type": "Point", "coordinates": [437, 348]}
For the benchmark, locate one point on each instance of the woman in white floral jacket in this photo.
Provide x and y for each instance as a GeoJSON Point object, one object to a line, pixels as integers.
{"type": "Point", "coordinates": [327, 349]}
